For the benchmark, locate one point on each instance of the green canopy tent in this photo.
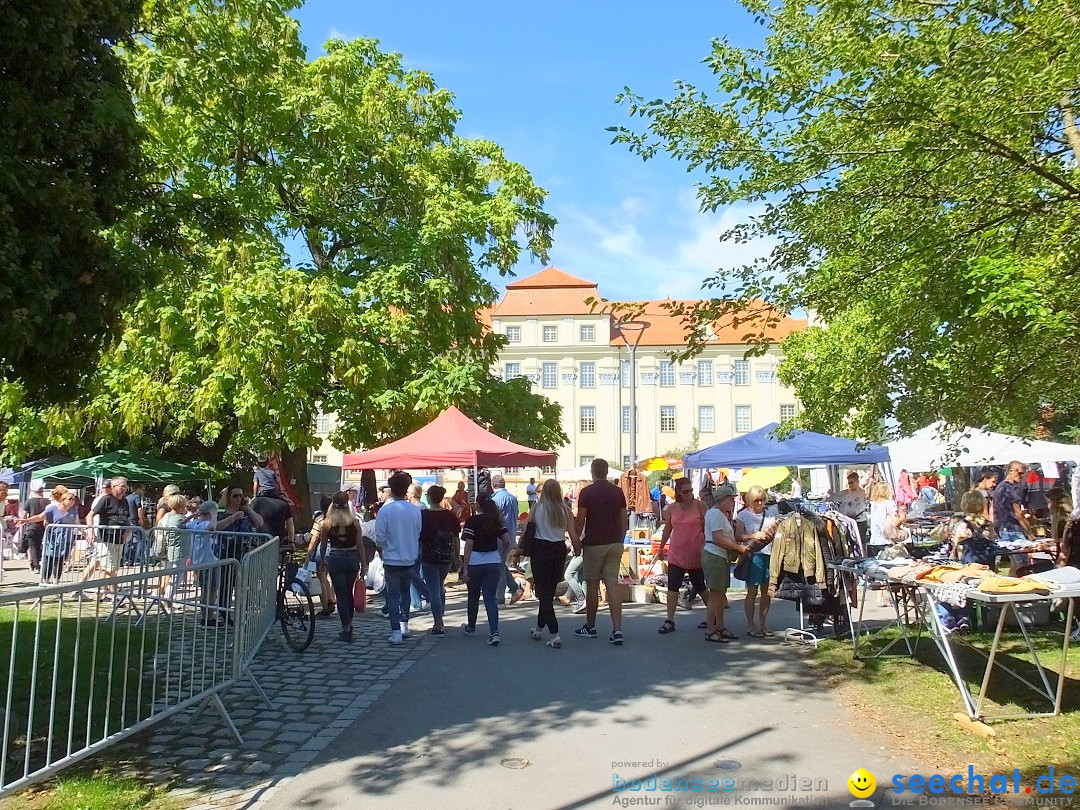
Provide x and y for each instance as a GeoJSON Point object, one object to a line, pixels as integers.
{"type": "Point", "coordinates": [133, 466]}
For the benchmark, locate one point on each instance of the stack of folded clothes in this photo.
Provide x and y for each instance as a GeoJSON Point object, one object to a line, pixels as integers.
{"type": "Point", "coordinates": [1006, 585]}
{"type": "Point", "coordinates": [1066, 578]}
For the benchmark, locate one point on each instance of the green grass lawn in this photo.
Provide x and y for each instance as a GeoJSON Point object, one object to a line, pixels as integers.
{"type": "Point", "coordinates": [916, 701]}
{"type": "Point", "coordinates": [94, 791]}
{"type": "Point", "coordinates": [93, 678]}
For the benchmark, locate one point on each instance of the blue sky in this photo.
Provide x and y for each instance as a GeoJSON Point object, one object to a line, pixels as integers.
{"type": "Point", "coordinates": [541, 81]}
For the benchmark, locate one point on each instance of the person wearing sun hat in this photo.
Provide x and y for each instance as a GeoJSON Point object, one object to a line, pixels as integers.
{"type": "Point", "coordinates": [716, 562]}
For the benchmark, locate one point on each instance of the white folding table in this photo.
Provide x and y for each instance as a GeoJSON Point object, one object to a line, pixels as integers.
{"type": "Point", "coordinates": [945, 641]}
{"type": "Point", "coordinates": [905, 604]}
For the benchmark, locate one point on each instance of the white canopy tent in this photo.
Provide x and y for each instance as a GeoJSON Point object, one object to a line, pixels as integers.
{"type": "Point", "coordinates": [933, 447]}
{"type": "Point", "coordinates": [584, 473]}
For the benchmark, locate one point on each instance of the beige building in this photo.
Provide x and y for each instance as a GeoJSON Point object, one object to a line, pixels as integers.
{"type": "Point", "coordinates": [572, 356]}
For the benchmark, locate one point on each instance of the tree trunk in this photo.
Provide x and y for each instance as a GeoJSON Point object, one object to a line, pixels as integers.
{"type": "Point", "coordinates": [962, 479]}
{"type": "Point", "coordinates": [294, 462]}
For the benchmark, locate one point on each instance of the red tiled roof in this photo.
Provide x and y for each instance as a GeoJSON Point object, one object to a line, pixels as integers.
{"type": "Point", "coordinates": [553, 292]}
{"type": "Point", "coordinates": [669, 329]}
{"type": "Point", "coordinates": [550, 278]}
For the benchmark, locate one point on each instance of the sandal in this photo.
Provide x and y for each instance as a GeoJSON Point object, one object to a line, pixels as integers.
{"type": "Point", "coordinates": [536, 634]}
{"type": "Point", "coordinates": [767, 633]}
{"type": "Point", "coordinates": [667, 627]}
{"type": "Point", "coordinates": [716, 638]}
{"type": "Point", "coordinates": [555, 643]}
{"type": "Point", "coordinates": [756, 634]}
{"type": "Point", "coordinates": [701, 625]}
{"type": "Point", "coordinates": [727, 635]}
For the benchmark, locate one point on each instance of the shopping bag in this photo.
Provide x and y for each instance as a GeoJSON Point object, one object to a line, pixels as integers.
{"type": "Point", "coordinates": [359, 595]}
{"type": "Point", "coordinates": [376, 577]}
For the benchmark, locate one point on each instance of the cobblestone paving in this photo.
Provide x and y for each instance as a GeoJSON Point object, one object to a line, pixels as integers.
{"type": "Point", "coordinates": [317, 694]}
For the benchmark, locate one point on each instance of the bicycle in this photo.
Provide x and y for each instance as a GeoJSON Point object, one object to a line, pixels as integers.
{"type": "Point", "coordinates": [295, 610]}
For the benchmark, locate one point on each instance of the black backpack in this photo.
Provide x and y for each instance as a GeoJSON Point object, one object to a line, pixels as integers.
{"type": "Point", "coordinates": [445, 539]}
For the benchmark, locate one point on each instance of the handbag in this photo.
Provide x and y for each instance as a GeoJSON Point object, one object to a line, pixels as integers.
{"type": "Point", "coordinates": [742, 567]}
{"type": "Point", "coordinates": [359, 595]}
{"type": "Point", "coordinates": [528, 539]}
{"type": "Point", "coordinates": [314, 586]}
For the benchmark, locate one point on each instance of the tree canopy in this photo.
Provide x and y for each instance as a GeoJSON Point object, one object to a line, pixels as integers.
{"type": "Point", "coordinates": [69, 174]}
{"type": "Point", "coordinates": [333, 260]}
{"type": "Point", "coordinates": [917, 161]}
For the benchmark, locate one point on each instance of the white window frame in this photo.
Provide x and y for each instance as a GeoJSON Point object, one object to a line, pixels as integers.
{"type": "Point", "coordinates": [587, 333]}
{"type": "Point", "coordinates": [322, 424]}
{"type": "Point", "coordinates": [549, 375]}
{"type": "Point", "coordinates": [624, 373]}
{"type": "Point", "coordinates": [742, 372]}
{"type": "Point", "coordinates": [512, 470]}
{"type": "Point", "coordinates": [749, 413]}
{"type": "Point", "coordinates": [794, 411]}
{"type": "Point", "coordinates": [667, 411]}
{"type": "Point", "coordinates": [552, 330]}
{"type": "Point", "coordinates": [547, 470]}
{"type": "Point", "coordinates": [583, 460]}
{"type": "Point", "coordinates": [667, 374]}
{"type": "Point", "coordinates": [704, 373]}
{"type": "Point", "coordinates": [513, 334]}
{"type": "Point", "coordinates": [588, 375]}
{"type": "Point", "coordinates": [587, 419]}
{"type": "Point", "coordinates": [320, 458]}
{"type": "Point", "coordinates": [511, 371]}
{"type": "Point", "coordinates": [710, 425]}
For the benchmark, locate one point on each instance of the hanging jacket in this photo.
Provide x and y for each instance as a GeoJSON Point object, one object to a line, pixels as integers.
{"type": "Point", "coordinates": [635, 488]}
{"type": "Point", "coordinates": [796, 550]}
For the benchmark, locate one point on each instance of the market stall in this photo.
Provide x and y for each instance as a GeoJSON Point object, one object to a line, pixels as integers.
{"type": "Point", "coordinates": [450, 440]}
{"type": "Point", "coordinates": [935, 446]}
{"type": "Point", "coordinates": [133, 466]}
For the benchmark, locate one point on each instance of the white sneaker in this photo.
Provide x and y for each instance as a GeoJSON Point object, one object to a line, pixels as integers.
{"type": "Point", "coordinates": [395, 637]}
{"type": "Point", "coordinates": [405, 630]}
{"type": "Point", "coordinates": [580, 607]}
{"type": "Point", "coordinates": [493, 639]}
{"type": "Point", "coordinates": [536, 634]}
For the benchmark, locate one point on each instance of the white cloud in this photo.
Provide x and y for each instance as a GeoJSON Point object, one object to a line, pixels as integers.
{"type": "Point", "coordinates": [648, 247]}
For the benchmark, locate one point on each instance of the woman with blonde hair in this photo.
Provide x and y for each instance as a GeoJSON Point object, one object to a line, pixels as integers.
{"type": "Point", "coordinates": [340, 531]}
{"type": "Point", "coordinates": [755, 526]}
{"type": "Point", "coordinates": [885, 517]}
{"type": "Point", "coordinates": [553, 521]}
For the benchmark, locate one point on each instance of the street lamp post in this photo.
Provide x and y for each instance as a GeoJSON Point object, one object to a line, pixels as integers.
{"type": "Point", "coordinates": [631, 332]}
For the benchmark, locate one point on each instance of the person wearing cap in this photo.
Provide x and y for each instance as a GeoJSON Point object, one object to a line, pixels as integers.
{"type": "Point", "coordinates": [33, 526]}
{"type": "Point", "coordinates": [202, 551]}
{"type": "Point", "coordinates": [716, 561]}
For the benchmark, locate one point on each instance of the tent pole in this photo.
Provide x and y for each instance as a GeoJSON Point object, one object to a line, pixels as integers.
{"type": "Point", "coordinates": [476, 480]}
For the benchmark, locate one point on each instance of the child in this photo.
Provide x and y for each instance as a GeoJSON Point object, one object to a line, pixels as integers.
{"type": "Point", "coordinates": [266, 483]}
{"type": "Point", "coordinates": [974, 534]}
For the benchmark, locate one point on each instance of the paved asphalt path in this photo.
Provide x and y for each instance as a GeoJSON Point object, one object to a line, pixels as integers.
{"type": "Point", "coordinates": [451, 731]}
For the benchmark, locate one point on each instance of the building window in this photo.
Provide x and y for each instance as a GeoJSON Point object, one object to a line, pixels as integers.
{"type": "Point", "coordinates": [588, 419]}
{"type": "Point", "coordinates": [549, 375]}
{"type": "Point", "coordinates": [624, 373]}
{"type": "Point", "coordinates": [626, 418]}
{"type": "Point", "coordinates": [588, 375]}
{"type": "Point", "coordinates": [706, 418]}
{"type": "Point", "coordinates": [704, 372]}
{"type": "Point", "coordinates": [551, 334]}
{"type": "Point", "coordinates": [512, 470]}
{"type": "Point", "coordinates": [583, 460]}
{"type": "Point", "coordinates": [667, 418]}
{"type": "Point", "coordinates": [319, 458]}
{"type": "Point", "coordinates": [547, 470]}
{"type": "Point", "coordinates": [787, 413]}
{"type": "Point", "coordinates": [322, 426]}
{"type": "Point", "coordinates": [511, 371]}
{"type": "Point", "coordinates": [588, 333]}
{"type": "Point", "coordinates": [742, 418]}
{"type": "Point", "coordinates": [742, 372]}
{"type": "Point", "coordinates": [513, 334]}
{"type": "Point", "coordinates": [667, 373]}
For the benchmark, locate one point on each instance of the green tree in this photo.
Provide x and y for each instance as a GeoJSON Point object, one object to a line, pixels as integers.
{"type": "Point", "coordinates": [69, 170]}
{"type": "Point", "coordinates": [917, 161]}
{"type": "Point", "coordinates": [340, 270]}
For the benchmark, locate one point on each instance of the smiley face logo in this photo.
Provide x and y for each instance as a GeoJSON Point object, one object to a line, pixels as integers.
{"type": "Point", "coordinates": [861, 783]}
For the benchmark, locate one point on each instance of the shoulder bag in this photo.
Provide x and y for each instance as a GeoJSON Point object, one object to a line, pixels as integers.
{"type": "Point", "coordinates": [528, 539]}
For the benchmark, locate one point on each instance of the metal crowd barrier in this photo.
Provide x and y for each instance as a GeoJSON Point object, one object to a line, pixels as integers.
{"type": "Point", "coordinates": [79, 553]}
{"type": "Point", "coordinates": [74, 682]}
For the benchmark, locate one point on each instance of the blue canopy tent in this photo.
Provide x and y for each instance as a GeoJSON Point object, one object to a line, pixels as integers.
{"type": "Point", "coordinates": [803, 448]}
{"type": "Point", "coordinates": [21, 476]}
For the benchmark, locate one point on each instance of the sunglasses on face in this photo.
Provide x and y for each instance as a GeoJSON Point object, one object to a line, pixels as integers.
{"type": "Point", "coordinates": [685, 491]}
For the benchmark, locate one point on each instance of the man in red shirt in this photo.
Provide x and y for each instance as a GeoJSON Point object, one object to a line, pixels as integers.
{"type": "Point", "coordinates": [601, 524]}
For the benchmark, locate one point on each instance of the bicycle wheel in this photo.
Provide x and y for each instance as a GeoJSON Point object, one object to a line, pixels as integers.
{"type": "Point", "coordinates": [297, 616]}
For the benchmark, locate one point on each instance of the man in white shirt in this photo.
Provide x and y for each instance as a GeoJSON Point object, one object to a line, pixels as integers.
{"type": "Point", "coordinates": [397, 533]}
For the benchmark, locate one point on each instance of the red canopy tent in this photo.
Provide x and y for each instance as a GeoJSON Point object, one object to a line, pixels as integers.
{"type": "Point", "coordinates": [451, 440]}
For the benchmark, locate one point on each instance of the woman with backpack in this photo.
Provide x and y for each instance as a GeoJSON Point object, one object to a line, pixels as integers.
{"type": "Point", "coordinates": [438, 551]}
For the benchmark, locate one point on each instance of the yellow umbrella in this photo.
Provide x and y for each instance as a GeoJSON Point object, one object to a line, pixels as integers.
{"type": "Point", "coordinates": [763, 477]}
{"type": "Point", "coordinates": [659, 463]}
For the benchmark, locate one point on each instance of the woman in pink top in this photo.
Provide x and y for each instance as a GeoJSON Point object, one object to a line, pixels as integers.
{"type": "Point", "coordinates": [904, 493]}
{"type": "Point", "coordinates": [684, 527]}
